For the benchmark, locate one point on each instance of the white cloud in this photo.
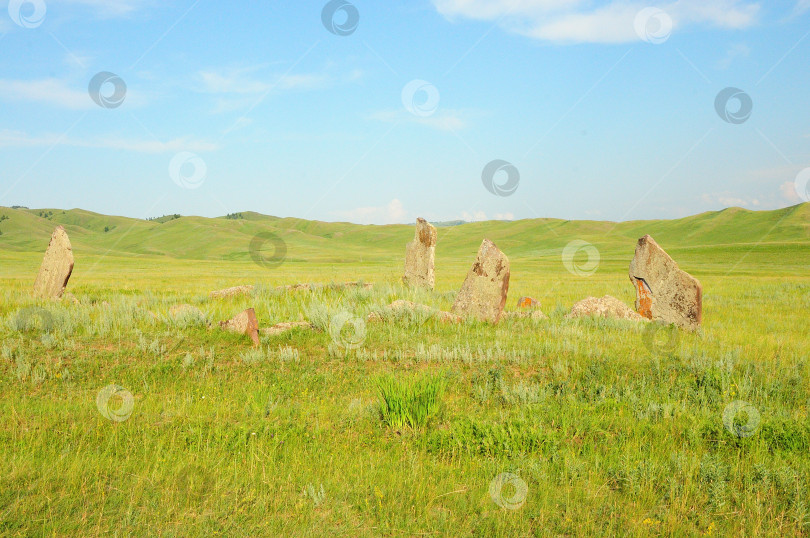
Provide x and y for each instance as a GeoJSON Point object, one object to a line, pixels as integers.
{"type": "Point", "coordinates": [473, 217]}
{"type": "Point", "coordinates": [504, 216]}
{"type": "Point", "coordinates": [240, 88]}
{"type": "Point", "coordinates": [726, 199]}
{"type": "Point", "coordinates": [77, 61]}
{"type": "Point", "coordinates": [393, 213]}
{"type": "Point", "coordinates": [581, 21]}
{"type": "Point", "coordinates": [56, 92]}
{"type": "Point", "coordinates": [442, 120]}
{"type": "Point", "coordinates": [801, 7]}
{"type": "Point", "coordinates": [49, 91]}
{"type": "Point", "coordinates": [738, 50]}
{"type": "Point", "coordinates": [788, 192]}
{"type": "Point", "coordinates": [108, 8]}
{"type": "Point", "coordinates": [18, 139]}
{"type": "Point", "coordinates": [245, 81]}
{"type": "Point", "coordinates": [241, 123]}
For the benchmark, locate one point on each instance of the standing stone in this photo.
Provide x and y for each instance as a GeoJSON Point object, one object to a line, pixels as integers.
{"type": "Point", "coordinates": [420, 255]}
{"type": "Point", "coordinates": [244, 323]}
{"type": "Point", "coordinates": [57, 265]}
{"type": "Point", "coordinates": [483, 294]}
{"type": "Point", "coordinates": [663, 291]}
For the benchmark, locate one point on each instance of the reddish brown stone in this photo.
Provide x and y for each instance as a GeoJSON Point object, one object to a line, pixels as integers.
{"type": "Point", "coordinates": [244, 323]}
{"type": "Point", "coordinates": [664, 292]}
{"type": "Point", "coordinates": [528, 302]}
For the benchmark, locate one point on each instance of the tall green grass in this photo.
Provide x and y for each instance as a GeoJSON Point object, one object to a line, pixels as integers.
{"type": "Point", "coordinates": [410, 403]}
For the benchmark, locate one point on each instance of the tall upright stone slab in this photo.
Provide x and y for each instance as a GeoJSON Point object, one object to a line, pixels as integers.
{"type": "Point", "coordinates": [420, 255]}
{"type": "Point", "coordinates": [664, 292]}
{"type": "Point", "coordinates": [57, 265]}
{"type": "Point", "coordinates": [483, 294]}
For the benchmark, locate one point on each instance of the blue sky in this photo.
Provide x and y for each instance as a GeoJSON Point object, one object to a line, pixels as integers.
{"type": "Point", "coordinates": [599, 109]}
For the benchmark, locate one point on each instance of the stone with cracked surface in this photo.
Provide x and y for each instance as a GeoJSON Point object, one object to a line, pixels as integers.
{"type": "Point", "coordinates": [56, 268]}
{"type": "Point", "coordinates": [605, 307]}
{"type": "Point", "coordinates": [483, 294]}
{"type": "Point", "coordinates": [420, 255]}
{"type": "Point", "coordinates": [664, 292]}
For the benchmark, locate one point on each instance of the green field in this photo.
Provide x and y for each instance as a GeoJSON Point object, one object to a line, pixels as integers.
{"type": "Point", "coordinates": [609, 427]}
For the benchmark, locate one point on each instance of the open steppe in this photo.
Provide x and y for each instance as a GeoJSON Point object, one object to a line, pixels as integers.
{"type": "Point", "coordinates": [614, 427]}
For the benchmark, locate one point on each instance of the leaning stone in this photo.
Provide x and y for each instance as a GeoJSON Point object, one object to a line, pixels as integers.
{"type": "Point", "coordinates": [56, 268]}
{"type": "Point", "coordinates": [483, 294]}
{"type": "Point", "coordinates": [420, 256]}
{"type": "Point", "coordinates": [281, 328]}
{"type": "Point", "coordinates": [664, 292]}
{"type": "Point", "coordinates": [605, 307]}
{"type": "Point", "coordinates": [243, 323]}
{"type": "Point", "coordinates": [231, 292]}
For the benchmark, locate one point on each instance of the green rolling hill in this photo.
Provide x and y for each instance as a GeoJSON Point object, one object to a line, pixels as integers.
{"type": "Point", "coordinates": [782, 234]}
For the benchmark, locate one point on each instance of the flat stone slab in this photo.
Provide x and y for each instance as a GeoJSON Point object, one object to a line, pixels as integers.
{"type": "Point", "coordinates": [232, 292]}
{"type": "Point", "coordinates": [312, 287]}
{"type": "Point", "coordinates": [402, 304]}
{"type": "Point", "coordinates": [56, 268]}
{"type": "Point", "coordinates": [281, 328]}
{"type": "Point", "coordinates": [605, 307]}
{"type": "Point", "coordinates": [664, 292]}
{"type": "Point", "coordinates": [483, 294]}
{"type": "Point", "coordinates": [181, 309]}
{"type": "Point", "coordinates": [534, 314]}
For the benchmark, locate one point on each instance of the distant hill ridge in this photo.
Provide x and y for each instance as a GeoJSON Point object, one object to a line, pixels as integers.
{"type": "Point", "coordinates": [28, 230]}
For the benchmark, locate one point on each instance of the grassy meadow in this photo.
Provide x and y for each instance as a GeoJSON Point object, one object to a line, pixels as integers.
{"type": "Point", "coordinates": [408, 426]}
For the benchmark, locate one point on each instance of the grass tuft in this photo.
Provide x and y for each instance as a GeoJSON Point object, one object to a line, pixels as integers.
{"type": "Point", "coordinates": [410, 403]}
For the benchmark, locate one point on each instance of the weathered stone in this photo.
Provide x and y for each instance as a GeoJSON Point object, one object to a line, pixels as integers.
{"type": "Point", "coordinates": [663, 291]}
{"type": "Point", "coordinates": [232, 292]}
{"type": "Point", "coordinates": [185, 309]}
{"type": "Point", "coordinates": [311, 287]}
{"type": "Point", "coordinates": [606, 307]}
{"type": "Point", "coordinates": [526, 314]}
{"type": "Point", "coordinates": [420, 255]}
{"type": "Point", "coordinates": [448, 317]}
{"type": "Point", "coordinates": [281, 328]}
{"type": "Point", "coordinates": [528, 302]}
{"type": "Point", "coordinates": [483, 294]}
{"type": "Point", "coordinates": [402, 305]}
{"type": "Point", "coordinates": [57, 265]}
{"type": "Point", "coordinates": [244, 323]}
